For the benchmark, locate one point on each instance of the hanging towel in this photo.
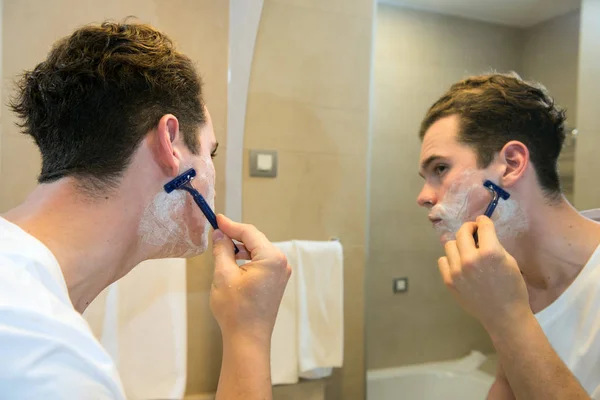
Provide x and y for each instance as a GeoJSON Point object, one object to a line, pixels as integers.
{"type": "Point", "coordinates": [284, 348]}
{"type": "Point", "coordinates": [320, 283]}
{"type": "Point", "coordinates": [141, 320]}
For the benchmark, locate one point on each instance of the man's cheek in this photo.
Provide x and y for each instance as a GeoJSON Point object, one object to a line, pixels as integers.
{"type": "Point", "coordinates": [478, 201]}
{"type": "Point", "coordinates": [194, 218]}
{"type": "Point", "coordinates": [467, 201]}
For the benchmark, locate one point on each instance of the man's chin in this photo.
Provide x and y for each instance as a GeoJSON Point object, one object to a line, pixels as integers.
{"type": "Point", "coordinates": [197, 250]}
{"type": "Point", "coordinates": [185, 249]}
{"type": "Point", "coordinates": [445, 237]}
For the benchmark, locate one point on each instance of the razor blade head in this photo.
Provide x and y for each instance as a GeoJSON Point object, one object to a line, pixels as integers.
{"type": "Point", "coordinates": [503, 194]}
{"type": "Point", "coordinates": [180, 180]}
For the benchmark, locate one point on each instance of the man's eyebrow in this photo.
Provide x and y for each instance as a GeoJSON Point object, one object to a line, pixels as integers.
{"type": "Point", "coordinates": [425, 164]}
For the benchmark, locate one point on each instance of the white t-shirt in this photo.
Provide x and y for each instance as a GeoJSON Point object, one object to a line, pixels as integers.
{"type": "Point", "coordinates": [47, 350]}
{"type": "Point", "coordinates": [572, 325]}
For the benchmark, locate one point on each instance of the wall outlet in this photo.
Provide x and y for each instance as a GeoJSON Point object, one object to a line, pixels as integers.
{"type": "Point", "coordinates": [401, 285]}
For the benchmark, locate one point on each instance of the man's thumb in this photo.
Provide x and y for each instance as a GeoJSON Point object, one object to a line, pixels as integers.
{"type": "Point", "coordinates": [223, 251]}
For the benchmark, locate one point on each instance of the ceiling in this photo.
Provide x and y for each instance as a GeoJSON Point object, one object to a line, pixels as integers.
{"type": "Point", "coordinates": [521, 13]}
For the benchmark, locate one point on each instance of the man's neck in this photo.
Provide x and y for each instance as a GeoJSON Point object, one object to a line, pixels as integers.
{"type": "Point", "coordinates": [94, 240]}
{"type": "Point", "coordinates": [557, 245]}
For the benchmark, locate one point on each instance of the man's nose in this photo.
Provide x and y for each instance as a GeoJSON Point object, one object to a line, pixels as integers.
{"type": "Point", "coordinates": [427, 197]}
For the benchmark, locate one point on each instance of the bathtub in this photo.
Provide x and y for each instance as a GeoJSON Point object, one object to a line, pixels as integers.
{"type": "Point", "coordinates": [444, 380]}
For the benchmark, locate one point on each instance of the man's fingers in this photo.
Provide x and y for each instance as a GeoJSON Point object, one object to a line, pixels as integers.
{"type": "Point", "coordinates": [243, 253]}
{"type": "Point", "coordinates": [250, 237]}
{"type": "Point", "coordinates": [445, 270]}
{"type": "Point", "coordinates": [255, 243]}
{"type": "Point", "coordinates": [487, 234]}
{"type": "Point", "coordinates": [467, 228]}
{"type": "Point", "coordinates": [465, 241]}
{"type": "Point", "coordinates": [223, 254]}
{"type": "Point", "coordinates": [453, 256]}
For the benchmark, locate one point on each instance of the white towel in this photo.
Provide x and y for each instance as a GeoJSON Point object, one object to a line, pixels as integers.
{"type": "Point", "coordinates": [284, 349]}
{"type": "Point", "coordinates": [141, 321]}
{"type": "Point", "coordinates": [320, 283]}
{"type": "Point", "coordinates": [308, 338]}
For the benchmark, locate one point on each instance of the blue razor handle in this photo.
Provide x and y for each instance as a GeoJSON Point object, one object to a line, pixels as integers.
{"type": "Point", "coordinates": [497, 194]}
{"type": "Point", "coordinates": [206, 210]}
{"type": "Point", "coordinates": [182, 182]}
{"type": "Point", "coordinates": [491, 207]}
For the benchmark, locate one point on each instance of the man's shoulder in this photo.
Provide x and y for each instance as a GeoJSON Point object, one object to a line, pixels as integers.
{"type": "Point", "coordinates": [34, 305]}
{"type": "Point", "coordinates": [44, 357]}
{"type": "Point", "coordinates": [35, 308]}
{"type": "Point", "coordinates": [27, 280]}
{"type": "Point", "coordinates": [17, 244]}
{"type": "Point", "coordinates": [29, 272]}
{"type": "Point", "coordinates": [44, 339]}
{"type": "Point", "coordinates": [588, 279]}
{"type": "Point", "coordinates": [593, 214]}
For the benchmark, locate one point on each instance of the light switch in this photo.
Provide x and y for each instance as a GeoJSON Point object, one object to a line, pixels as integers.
{"type": "Point", "coordinates": [264, 162]}
{"type": "Point", "coordinates": [400, 285]}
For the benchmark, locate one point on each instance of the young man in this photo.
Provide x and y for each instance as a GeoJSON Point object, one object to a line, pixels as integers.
{"type": "Point", "coordinates": [535, 269]}
{"type": "Point", "coordinates": [117, 112]}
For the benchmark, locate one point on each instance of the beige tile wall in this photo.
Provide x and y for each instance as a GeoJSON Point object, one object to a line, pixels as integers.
{"type": "Point", "coordinates": [587, 162]}
{"type": "Point", "coordinates": [308, 99]}
{"type": "Point", "coordinates": [551, 56]}
{"type": "Point", "coordinates": [200, 29]}
{"type": "Point", "coordinates": [417, 57]}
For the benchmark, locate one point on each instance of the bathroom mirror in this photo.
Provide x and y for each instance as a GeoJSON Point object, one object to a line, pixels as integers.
{"type": "Point", "coordinates": [333, 92]}
{"type": "Point", "coordinates": [416, 334]}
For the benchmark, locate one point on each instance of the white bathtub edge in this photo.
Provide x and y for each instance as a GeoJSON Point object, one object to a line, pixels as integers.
{"type": "Point", "coordinates": [442, 368]}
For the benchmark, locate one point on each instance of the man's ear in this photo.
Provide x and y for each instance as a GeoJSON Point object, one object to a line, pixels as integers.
{"type": "Point", "coordinates": [515, 159]}
{"type": "Point", "coordinates": [163, 143]}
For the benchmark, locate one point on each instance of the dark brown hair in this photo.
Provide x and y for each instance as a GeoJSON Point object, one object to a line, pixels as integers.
{"type": "Point", "coordinates": [98, 93]}
{"type": "Point", "coordinates": [497, 108]}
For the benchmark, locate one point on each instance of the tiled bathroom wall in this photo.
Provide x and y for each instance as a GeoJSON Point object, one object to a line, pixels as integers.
{"type": "Point", "coordinates": [309, 100]}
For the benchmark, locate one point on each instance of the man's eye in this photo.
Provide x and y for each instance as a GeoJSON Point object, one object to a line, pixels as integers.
{"type": "Point", "coordinates": [213, 154]}
{"type": "Point", "coordinates": [440, 169]}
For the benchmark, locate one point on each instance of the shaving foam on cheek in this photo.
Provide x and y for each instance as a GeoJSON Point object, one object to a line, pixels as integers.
{"type": "Point", "coordinates": [509, 219]}
{"type": "Point", "coordinates": [205, 180]}
{"type": "Point", "coordinates": [160, 226]}
{"type": "Point", "coordinates": [173, 223]}
{"type": "Point", "coordinates": [206, 187]}
{"type": "Point", "coordinates": [455, 207]}
{"type": "Point", "coordinates": [466, 199]}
